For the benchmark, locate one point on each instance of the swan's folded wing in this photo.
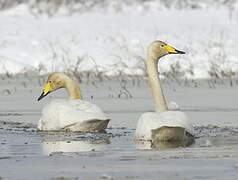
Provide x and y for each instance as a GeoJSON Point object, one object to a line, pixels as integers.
{"type": "Point", "coordinates": [61, 113]}
{"type": "Point", "coordinates": [154, 120]}
{"type": "Point", "coordinates": [85, 106]}
{"type": "Point", "coordinates": [176, 119]}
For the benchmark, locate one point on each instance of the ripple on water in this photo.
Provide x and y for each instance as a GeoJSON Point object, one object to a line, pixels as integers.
{"type": "Point", "coordinates": [24, 139]}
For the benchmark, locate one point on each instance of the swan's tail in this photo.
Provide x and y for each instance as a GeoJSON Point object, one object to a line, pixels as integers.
{"type": "Point", "coordinates": [172, 134]}
{"type": "Point", "coordinates": [92, 125]}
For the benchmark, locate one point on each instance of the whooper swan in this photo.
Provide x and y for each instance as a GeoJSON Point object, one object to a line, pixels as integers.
{"type": "Point", "coordinates": [162, 125]}
{"type": "Point", "coordinates": [71, 114]}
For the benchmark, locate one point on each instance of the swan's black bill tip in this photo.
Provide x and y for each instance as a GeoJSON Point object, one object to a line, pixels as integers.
{"type": "Point", "coordinates": [180, 52]}
{"type": "Point", "coordinates": [42, 96]}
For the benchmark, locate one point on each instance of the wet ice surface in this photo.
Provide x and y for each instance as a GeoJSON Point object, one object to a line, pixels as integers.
{"type": "Point", "coordinates": [26, 153]}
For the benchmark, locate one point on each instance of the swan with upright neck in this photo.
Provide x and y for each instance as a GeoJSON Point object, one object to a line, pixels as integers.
{"type": "Point", "coordinates": [71, 114]}
{"type": "Point", "coordinates": [162, 125]}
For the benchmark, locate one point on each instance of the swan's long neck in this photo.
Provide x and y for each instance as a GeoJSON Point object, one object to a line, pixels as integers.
{"type": "Point", "coordinates": [73, 89]}
{"type": "Point", "coordinates": [152, 70]}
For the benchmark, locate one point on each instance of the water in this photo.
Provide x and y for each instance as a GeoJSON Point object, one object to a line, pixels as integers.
{"type": "Point", "coordinates": [26, 153]}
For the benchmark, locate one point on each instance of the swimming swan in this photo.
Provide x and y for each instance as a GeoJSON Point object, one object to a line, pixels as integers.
{"type": "Point", "coordinates": [162, 125]}
{"type": "Point", "coordinates": [71, 114]}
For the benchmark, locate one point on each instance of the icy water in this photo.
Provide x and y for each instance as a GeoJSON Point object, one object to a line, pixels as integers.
{"type": "Point", "coordinates": [28, 154]}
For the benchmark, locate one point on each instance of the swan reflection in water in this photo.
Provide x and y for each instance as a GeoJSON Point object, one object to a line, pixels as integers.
{"type": "Point", "coordinates": [64, 143]}
{"type": "Point", "coordinates": [50, 146]}
{"type": "Point", "coordinates": [162, 144]}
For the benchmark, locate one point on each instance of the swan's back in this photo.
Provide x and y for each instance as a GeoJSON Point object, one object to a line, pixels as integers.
{"type": "Point", "coordinates": [61, 113]}
{"type": "Point", "coordinates": [151, 121]}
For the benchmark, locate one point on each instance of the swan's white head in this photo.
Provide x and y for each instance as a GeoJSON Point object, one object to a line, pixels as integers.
{"type": "Point", "coordinates": [158, 49]}
{"type": "Point", "coordinates": [55, 81]}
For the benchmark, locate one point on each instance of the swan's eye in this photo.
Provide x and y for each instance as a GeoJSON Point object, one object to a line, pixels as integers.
{"type": "Point", "coordinates": [162, 45]}
{"type": "Point", "coordinates": [50, 81]}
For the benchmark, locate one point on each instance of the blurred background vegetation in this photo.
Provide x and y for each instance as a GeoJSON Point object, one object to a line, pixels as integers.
{"type": "Point", "coordinates": [50, 7]}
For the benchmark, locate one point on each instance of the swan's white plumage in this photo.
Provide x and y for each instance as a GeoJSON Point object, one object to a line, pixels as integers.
{"type": "Point", "coordinates": [173, 106]}
{"type": "Point", "coordinates": [154, 120]}
{"type": "Point", "coordinates": [61, 113]}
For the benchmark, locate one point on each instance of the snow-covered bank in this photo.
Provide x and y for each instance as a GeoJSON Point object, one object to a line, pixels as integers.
{"type": "Point", "coordinates": [115, 43]}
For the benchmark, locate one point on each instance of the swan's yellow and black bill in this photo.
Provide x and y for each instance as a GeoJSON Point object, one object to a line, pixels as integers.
{"type": "Point", "coordinates": [45, 92]}
{"type": "Point", "coordinates": [172, 50]}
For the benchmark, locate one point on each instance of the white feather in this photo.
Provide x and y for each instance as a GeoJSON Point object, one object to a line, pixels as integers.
{"type": "Point", "coordinates": [154, 120]}
{"type": "Point", "coordinates": [173, 106]}
{"type": "Point", "coordinates": [61, 113]}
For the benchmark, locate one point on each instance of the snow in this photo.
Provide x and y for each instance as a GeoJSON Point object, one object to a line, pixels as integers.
{"type": "Point", "coordinates": [115, 42]}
